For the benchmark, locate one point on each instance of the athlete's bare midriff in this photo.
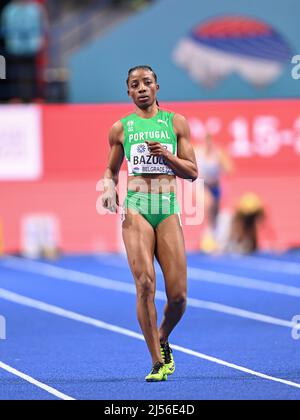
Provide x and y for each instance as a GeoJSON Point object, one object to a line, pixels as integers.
{"type": "Point", "coordinates": [153, 184]}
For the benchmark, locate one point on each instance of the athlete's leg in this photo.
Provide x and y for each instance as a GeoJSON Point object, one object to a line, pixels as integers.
{"type": "Point", "coordinates": [213, 213]}
{"type": "Point", "coordinates": [139, 239]}
{"type": "Point", "coordinates": [212, 198]}
{"type": "Point", "coordinates": [170, 252]}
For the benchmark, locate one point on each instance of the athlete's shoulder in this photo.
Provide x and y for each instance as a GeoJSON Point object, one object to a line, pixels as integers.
{"type": "Point", "coordinates": [166, 112]}
{"type": "Point", "coordinates": [117, 127]}
{"type": "Point", "coordinates": [127, 117]}
{"type": "Point", "coordinates": [180, 124]}
{"type": "Point", "coordinates": [179, 118]}
{"type": "Point", "coordinates": [166, 115]}
{"type": "Point", "coordinates": [116, 132]}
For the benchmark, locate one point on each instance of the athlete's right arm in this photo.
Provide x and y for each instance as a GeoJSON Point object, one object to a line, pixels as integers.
{"type": "Point", "coordinates": [115, 160]}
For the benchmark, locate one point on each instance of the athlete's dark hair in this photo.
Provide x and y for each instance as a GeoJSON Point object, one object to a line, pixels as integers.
{"type": "Point", "coordinates": [143, 67]}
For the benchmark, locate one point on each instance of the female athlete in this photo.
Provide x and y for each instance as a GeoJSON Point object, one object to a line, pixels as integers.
{"type": "Point", "coordinates": [156, 144]}
{"type": "Point", "coordinates": [213, 162]}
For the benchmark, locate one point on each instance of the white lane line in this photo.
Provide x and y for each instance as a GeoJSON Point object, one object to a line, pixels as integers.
{"type": "Point", "coordinates": [251, 262]}
{"type": "Point", "coordinates": [241, 313]}
{"type": "Point", "coordinates": [99, 282]}
{"type": "Point", "coordinates": [217, 277]}
{"type": "Point", "coordinates": [275, 266]}
{"type": "Point", "coordinates": [242, 282]}
{"type": "Point", "coordinates": [55, 310]}
{"type": "Point", "coordinates": [256, 263]}
{"type": "Point", "coordinates": [234, 366]}
{"type": "Point", "coordinates": [36, 383]}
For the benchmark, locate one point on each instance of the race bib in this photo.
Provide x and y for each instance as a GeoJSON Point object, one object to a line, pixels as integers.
{"type": "Point", "coordinates": [142, 162]}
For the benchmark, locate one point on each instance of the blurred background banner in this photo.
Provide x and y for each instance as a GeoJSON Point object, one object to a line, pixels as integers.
{"type": "Point", "coordinates": [263, 138]}
{"type": "Point", "coordinates": [209, 50]}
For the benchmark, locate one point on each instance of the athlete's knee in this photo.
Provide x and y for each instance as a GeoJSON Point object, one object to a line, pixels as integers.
{"type": "Point", "coordinates": [145, 285]}
{"type": "Point", "coordinates": [178, 299]}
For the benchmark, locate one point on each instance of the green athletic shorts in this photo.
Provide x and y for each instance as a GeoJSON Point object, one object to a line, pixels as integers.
{"type": "Point", "coordinates": [153, 207]}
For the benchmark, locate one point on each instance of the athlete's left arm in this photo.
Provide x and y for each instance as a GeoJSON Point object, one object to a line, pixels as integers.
{"type": "Point", "coordinates": [184, 164]}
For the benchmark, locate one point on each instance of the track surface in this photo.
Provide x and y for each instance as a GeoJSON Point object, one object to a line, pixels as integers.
{"type": "Point", "coordinates": [71, 330]}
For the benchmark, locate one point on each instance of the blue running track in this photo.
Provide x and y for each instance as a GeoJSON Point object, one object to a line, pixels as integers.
{"type": "Point", "coordinates": [71, 328]}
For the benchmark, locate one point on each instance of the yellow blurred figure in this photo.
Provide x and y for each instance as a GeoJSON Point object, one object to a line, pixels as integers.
{"type": "Point", "coordinates": [249, 203]}
{"type": "Point", "coordinates": [208, 244]}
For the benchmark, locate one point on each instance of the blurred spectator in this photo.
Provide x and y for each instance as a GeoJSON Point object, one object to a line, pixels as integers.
{"type": "Point", "coordinates": [24, 26]}
{"type": "Point", "coordinates": [249, 213]}
{"type": "Point", "coordinates": [213, 162]}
